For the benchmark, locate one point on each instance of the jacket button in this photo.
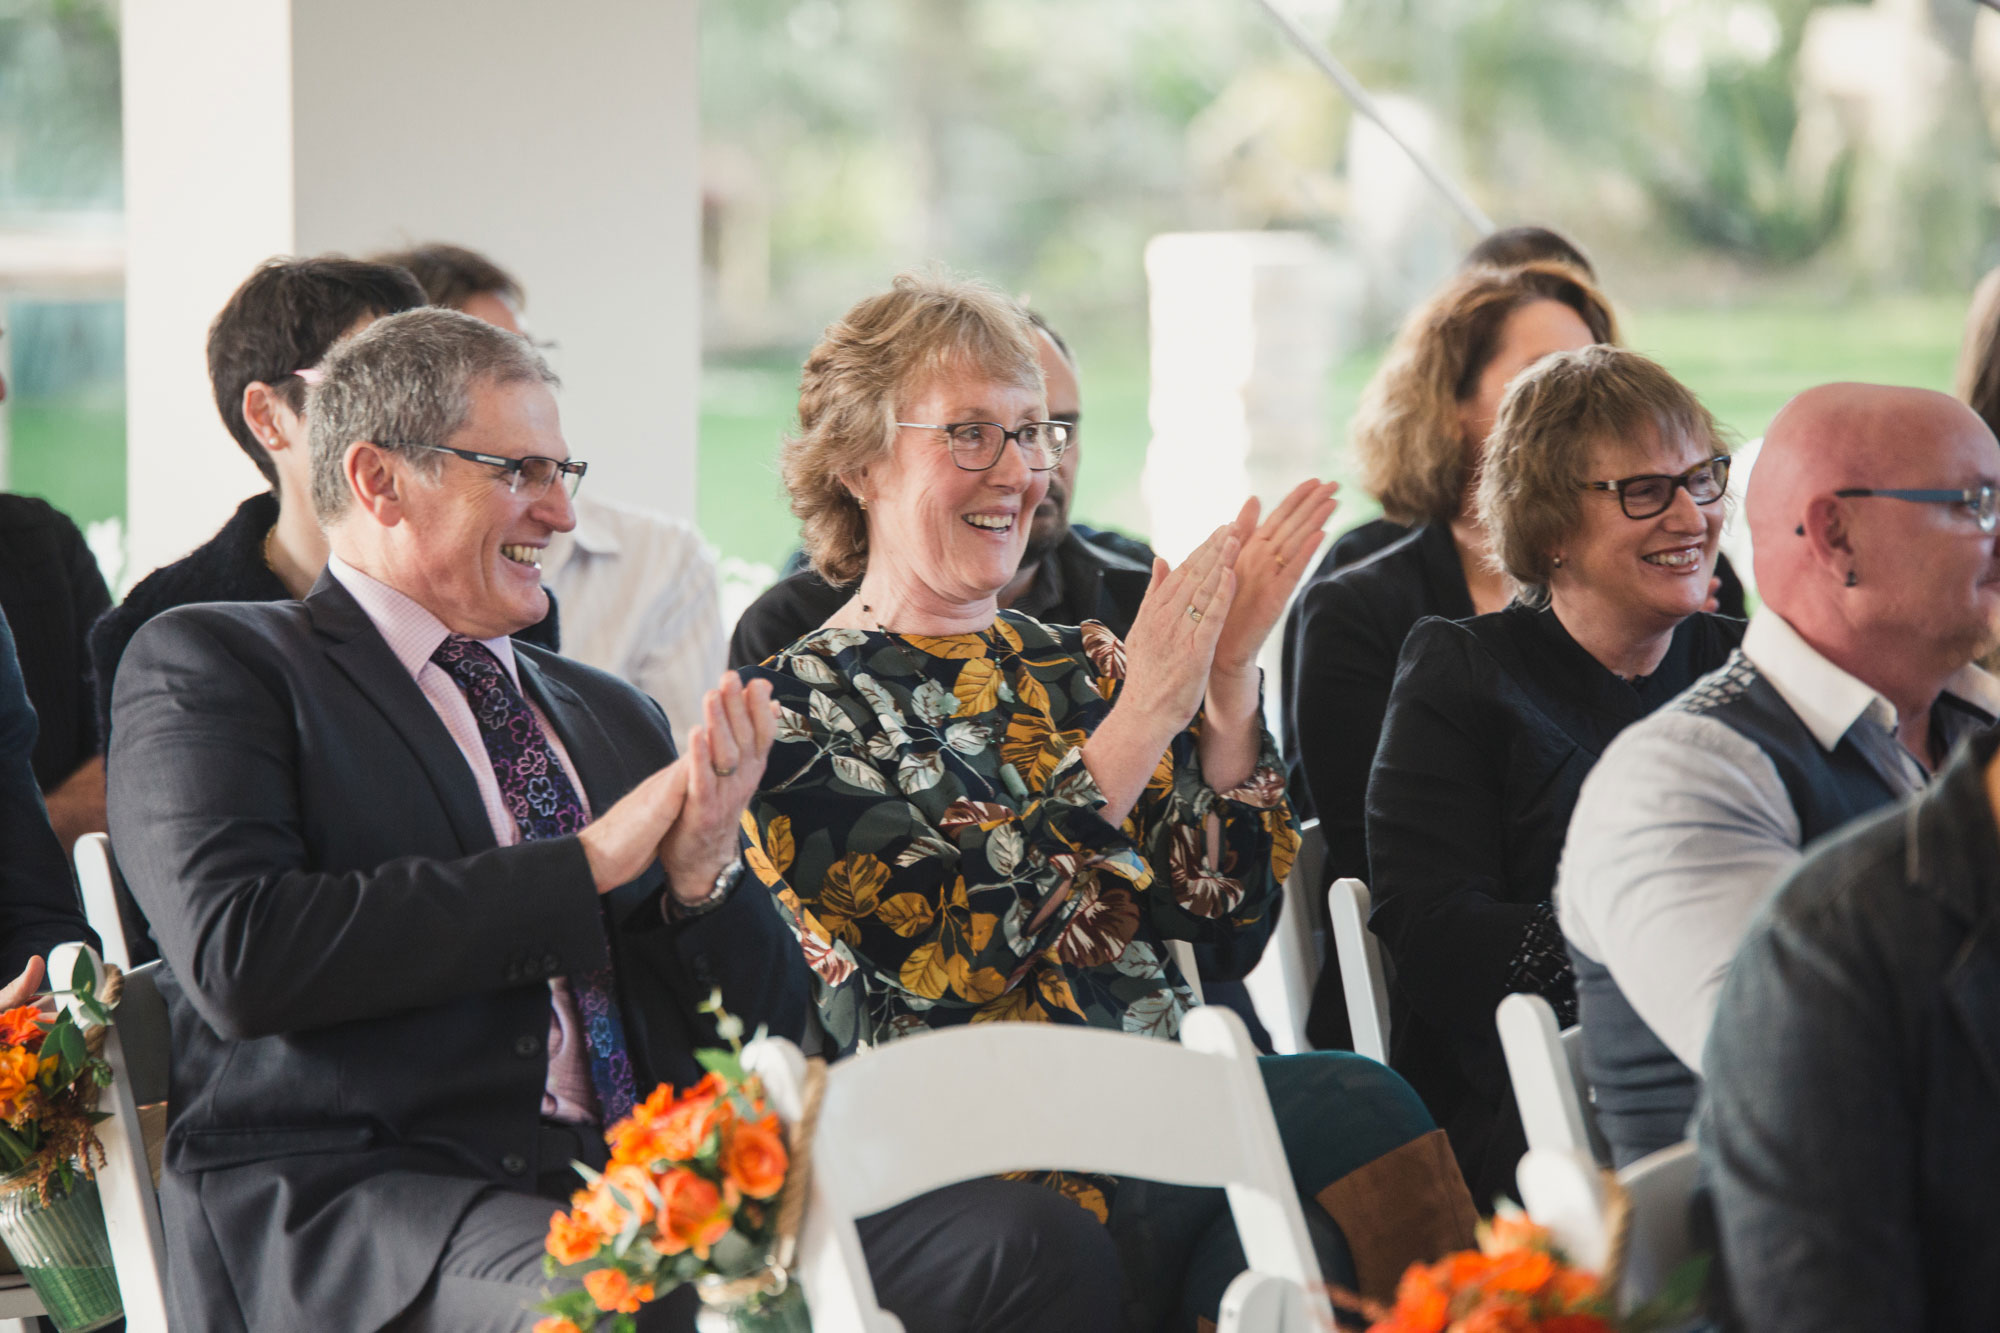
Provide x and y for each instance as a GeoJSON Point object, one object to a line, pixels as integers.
{"type": "Point", "coordinates": [527, 1046]}
{"type": "Point", "coordinates": [514, 1164]}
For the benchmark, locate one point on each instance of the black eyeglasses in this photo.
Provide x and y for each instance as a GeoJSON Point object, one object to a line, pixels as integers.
{"type": "Point", "coordinates": [1648, 495]}
{"type": "Point", "coordinates": [975, 445]}
{"type": "Point", "coordinates": [533, 474]}
{"type": "Point", "coordinates": [1983, 502]}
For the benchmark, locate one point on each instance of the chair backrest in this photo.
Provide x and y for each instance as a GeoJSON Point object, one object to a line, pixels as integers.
{"type": "Point", "coordinates": [1545, 1067]}
{"type": "Point", "coordinates": [1184, 958]}
{"type": "Point", "coordinates": [1281, 985]}
{"type": "Point", "coordinates": [1362, 978]}
{"type": "Point", "coordinates": [138, 1050]}
{"type": "Point", "coordinates": [98, 878]}
{"type": "Point", "coordinates": [1566, 1192]}
{"type": "Point", "coordinates": [895, 1123]}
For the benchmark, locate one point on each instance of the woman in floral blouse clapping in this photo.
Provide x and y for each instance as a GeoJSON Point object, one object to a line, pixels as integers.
{"type": "Point", "coordinates": [974, 817]}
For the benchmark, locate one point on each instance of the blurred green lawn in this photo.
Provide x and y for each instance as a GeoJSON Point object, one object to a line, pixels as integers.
{"type": "Point", "coordinates": [1744, 362]}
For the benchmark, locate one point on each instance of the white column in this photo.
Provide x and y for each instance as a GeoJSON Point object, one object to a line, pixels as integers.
{"type": "Point", "coordinates": [562, 141]}
{"type": "Point", "coordinates": [1245, 330]}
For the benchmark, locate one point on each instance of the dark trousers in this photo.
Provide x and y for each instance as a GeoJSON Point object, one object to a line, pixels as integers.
{"type": "Point", "coordinates": [988, 1256]}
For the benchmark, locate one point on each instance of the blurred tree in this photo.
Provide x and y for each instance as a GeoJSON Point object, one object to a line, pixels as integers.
{"type": "Point", "coordinates": [59, 106]}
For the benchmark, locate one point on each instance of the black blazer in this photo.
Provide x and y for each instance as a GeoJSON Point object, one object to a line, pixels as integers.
{"type": "Point", "coordinates": [356, 975]}
{"type": "Point", "coordinates": [38, 903]}
{"type": "Point", "coordinates": [51, 592]}
{"type": "Point", "coordinates": [1492, 725]}
{"type": "Point", "coordinates": [228, 567]}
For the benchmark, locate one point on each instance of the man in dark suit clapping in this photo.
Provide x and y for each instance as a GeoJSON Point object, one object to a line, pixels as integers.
{"type": "Point", "coordinates": [436, 906]}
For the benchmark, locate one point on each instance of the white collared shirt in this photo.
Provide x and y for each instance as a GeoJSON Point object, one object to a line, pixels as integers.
{"type": "Point", "coordinates": [638, 597]}
{"type": "Point", "coordinates": [1684, 826]}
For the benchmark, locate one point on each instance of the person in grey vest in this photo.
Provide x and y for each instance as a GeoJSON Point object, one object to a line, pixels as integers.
{"type": "Point", "coordinates": [1872, 511]}
{"type": "Point", "coordinates": [1848, 1135]}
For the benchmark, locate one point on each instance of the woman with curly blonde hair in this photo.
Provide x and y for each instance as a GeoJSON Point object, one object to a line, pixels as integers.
{"type": "Point", "coordinates": [971, 816]}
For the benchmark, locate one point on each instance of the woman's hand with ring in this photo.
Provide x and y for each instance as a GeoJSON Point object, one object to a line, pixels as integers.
{"type": "Point", "coordinates": [1272, 558]}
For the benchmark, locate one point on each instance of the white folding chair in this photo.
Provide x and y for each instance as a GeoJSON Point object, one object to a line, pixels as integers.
{"type": "Point", "coordinates": [1565, 1191]}
{"type": "Point", "coordinates": [137, 1048]}
{"type": "Point", "coordinates": [1546, 1068]}
{"type": "Point", "coordinates": [1183, 953]}
{"type": "Point", "coordinates": [98, 878]}
{"type": "Point", "coordinates": [1053, 1098]}
{"type": "Point", "coordinates": [1281, 985]}
{"type": "Point", "coordinates": [1362, 978]}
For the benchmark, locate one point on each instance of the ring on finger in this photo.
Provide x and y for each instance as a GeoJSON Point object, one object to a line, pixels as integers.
{"type": "Point", "coordinates": [1193, 614]}
{"type": "Point", "coordinates": [723, 772]}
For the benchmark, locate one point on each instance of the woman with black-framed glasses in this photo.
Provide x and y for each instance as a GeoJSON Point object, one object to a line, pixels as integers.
{"type": "Point", "coordinates": [1602, 489]}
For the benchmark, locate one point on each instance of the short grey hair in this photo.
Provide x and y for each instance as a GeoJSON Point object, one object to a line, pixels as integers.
{"type": "Point", "coordinates": [403, 382]}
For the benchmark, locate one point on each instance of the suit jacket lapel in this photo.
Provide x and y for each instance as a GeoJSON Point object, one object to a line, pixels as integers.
{"type": "Point", "coordinates": [597, 764]}
{"type": "Point", "coordinates": [358, 650]}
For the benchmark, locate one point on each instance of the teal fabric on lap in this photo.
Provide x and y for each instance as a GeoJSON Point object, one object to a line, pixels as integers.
{"type": "Point", "coordinates": [1335, 1112]}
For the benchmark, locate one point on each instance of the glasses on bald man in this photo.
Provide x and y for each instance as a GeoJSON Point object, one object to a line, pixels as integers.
{"type": "Point", "coordinates": [1984, 502]}
{"type": "Point", "coordinates": [532, 475]}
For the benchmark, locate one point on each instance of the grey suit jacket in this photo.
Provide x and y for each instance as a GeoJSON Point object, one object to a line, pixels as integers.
{"type": "Point", "coordinates": [356, 974]}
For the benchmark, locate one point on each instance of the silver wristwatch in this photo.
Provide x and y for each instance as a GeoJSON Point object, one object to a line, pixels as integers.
{"type": "Point", "coordinates": [725, 884]}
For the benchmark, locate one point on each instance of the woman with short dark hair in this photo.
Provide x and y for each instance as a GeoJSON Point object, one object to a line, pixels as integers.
{"type": "Point", "coordinates": [1601, 491]}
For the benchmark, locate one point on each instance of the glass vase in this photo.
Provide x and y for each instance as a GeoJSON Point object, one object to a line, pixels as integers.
{"type": "Point", "coordinates": [758, 1312]}
{"type": "Point", "coordinates": [61, 1248]}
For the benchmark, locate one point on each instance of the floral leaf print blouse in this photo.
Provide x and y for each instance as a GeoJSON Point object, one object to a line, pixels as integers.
{"type": "Point", "coordinates": [926, 804]}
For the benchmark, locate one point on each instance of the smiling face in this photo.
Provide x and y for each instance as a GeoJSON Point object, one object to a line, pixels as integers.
{"type": "Point", "coordinates": [1649, 572]}
{"type": "Point", "coordinates": [942, 537]}
{"type": "Point", "coordinates": [467, 548]}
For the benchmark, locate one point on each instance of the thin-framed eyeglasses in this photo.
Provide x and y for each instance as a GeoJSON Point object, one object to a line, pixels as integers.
{"type": "Point", "coordinates": [975, 445]}
{"type": "Point", "coordinates": [1983, 501]}
{"type": "Point", "coordinates": [1649, 495]}
{"type": "Point", "coordinates": [532, 475]}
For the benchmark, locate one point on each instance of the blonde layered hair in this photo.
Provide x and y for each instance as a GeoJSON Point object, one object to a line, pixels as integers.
{"type": "Point", "coordinates": [1538, 457]}
{"type": "Point", "coordinates": [1406, 435]}
{"type": "Point", "coordinates": [889, 347]}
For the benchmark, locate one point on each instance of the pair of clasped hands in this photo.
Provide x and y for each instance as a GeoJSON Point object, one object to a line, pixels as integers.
{"type": "Point", "coordinates": [1195, 642]}
{"type": "Point", "coordinates": [686, 816]}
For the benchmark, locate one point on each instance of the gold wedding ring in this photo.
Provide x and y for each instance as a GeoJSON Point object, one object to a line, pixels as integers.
{"type": "Point", "coordinates": [723, 772]}
{"type": "Point", "coordinates": [1281, 562]}
{"type": "Point", "coordinates": [1193, 614]}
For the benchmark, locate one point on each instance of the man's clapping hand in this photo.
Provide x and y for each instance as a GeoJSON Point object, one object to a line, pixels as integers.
{"type": "Point", "coordinates": [686, 815]}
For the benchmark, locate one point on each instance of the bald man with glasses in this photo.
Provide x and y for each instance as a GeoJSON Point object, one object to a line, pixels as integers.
{"type": "Point", "coordinates": [1873, 515]}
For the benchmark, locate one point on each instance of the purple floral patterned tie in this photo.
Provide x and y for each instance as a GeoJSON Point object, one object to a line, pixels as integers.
{"type": "Point", "coordinates": [538, 793]}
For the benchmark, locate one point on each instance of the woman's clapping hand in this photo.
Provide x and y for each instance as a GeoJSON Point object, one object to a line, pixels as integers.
{"type": "Point", "coordinates": [1272, 558]}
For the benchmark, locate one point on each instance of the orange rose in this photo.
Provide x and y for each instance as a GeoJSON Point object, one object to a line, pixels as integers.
{"type": "Point", "coordinates": [555, 1324]}
{"type": "Point", "coordinates": [572, 1240]}
{"type": "Point", "coordinates": [1573, 1286]}
{"type": "Point", "coordinates": [615, 1292]}
{"type": "Point", "coordinates": [17, 1074]}
{"type": "Point", "coordinates": [694, 1217]}
{"type": "Point", "coordinates": [1521, 1272]}
{"type": "Point", "coordinates": [603, 1210]}
{"type": "Point", "coordinates": [20, 1026]}
{"type": "Point", "coordinates": [684, 1130]}
{"type": "Point", "coordinates": [1422, 1303]}
{"type": "Point", "coordinates": [753, 1157]}
{"type": "Point", "coordinates": [1515, 1231]}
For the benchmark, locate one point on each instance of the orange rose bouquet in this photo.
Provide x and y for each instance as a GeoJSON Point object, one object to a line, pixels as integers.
{"type": "Point", "coordinates": [690, 1195]}
{"type": "Point", "coordinates": [1517, 1281]}
{"type": "Point", "coordinates": [49, 1080]}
